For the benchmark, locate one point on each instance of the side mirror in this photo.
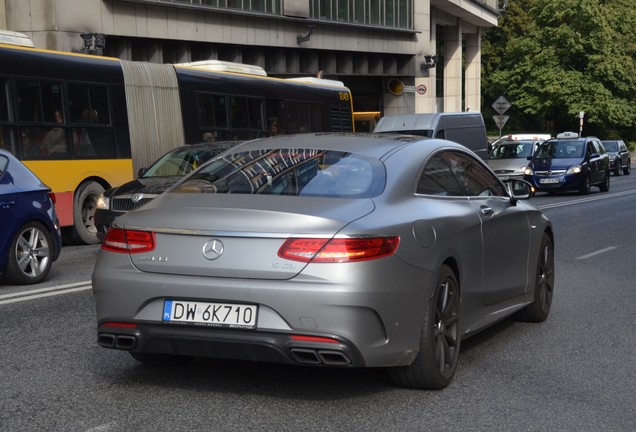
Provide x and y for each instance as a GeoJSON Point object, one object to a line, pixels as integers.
{"type": "Point", "coordinates": [142, 171]}
{"type": "Point", "coordinates": [519, 189]}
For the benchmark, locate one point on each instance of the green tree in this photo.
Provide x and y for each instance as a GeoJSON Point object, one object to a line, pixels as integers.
{"type": "Point", "coordinates": [554, 58]}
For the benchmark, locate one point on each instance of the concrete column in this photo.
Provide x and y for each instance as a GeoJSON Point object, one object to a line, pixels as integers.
{"type": "Point", "coordinates": [472, 79]}
{"type": "Point", "coordinates": [424, 103]}
{"type": "Point", "coordinates": [453, 69]}
{"type": "Point", "coordinates": [3, 15]}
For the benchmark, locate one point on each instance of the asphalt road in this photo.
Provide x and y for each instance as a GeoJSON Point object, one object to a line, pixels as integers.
{"type": "Point", "coordinates": [574, 372]}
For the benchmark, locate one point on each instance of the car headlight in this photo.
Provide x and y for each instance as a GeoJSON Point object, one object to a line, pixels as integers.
{"type": "Point", "coordinates": [574, 170]}
{"type": "Point", "coordinates": [528, 171]}
{"type": "Point", "coordinates": [103, 203]}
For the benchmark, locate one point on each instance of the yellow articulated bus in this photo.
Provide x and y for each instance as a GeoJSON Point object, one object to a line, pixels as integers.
{"type": "Point", "coordinates": [86, 123]}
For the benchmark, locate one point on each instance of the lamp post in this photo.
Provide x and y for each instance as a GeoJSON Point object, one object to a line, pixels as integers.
{"type": "Point", "coordinates": [581, 115]}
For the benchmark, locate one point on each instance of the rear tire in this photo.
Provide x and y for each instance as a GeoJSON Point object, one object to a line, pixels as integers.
{"type": "Point", "coordinates": [539, 309]}
{"type": "Point", "coordinates": [628, 169]}
{"type": "Point", "coordinates": [83, 230]}
{"type": "Point", "coordinates": [30, 258]}
{"type": "Point", "coordinates": [435, 364]}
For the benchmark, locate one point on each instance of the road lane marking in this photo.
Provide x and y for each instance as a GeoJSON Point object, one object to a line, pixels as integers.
{"type": "Point", "coordinates": [588, 199]}
{"type": "Point", "coordinates": [44, 292]}
{"type": "Point", "coordinates": [598, 252]}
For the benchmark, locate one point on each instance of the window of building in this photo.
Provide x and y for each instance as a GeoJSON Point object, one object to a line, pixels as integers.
{"type": "Point", "coordinates": [385, 13]}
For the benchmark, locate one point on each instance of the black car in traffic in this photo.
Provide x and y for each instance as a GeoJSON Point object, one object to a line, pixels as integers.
{"type": "Point", "coordinates": [619, 155]}
{"type": "Point", "coordinates": [154, 180]}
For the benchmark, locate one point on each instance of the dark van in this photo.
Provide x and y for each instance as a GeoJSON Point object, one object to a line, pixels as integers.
{"type": "Point", "coordinates": [466, 128]}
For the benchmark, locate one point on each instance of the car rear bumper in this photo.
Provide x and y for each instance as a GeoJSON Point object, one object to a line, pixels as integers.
{"type": "Point", "coordinates": [230, 344]}
{"type": "Point", "coordinates": [372, 321]}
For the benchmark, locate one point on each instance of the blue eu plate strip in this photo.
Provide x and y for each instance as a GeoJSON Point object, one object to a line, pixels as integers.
{"type": "Point", "coordinates": [167, 310]}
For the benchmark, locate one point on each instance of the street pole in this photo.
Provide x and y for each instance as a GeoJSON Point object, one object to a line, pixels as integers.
{"type": "Point", "coordinates": [581, 114]}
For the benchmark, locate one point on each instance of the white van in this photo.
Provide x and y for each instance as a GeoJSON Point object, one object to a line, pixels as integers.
{"type": "Point", "coordinates": [466, 128]}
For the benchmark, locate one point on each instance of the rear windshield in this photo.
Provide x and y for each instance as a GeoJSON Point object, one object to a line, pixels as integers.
{"type": "Point", "coordinates": [560, 149]}
{"type": "Point", "coordinates": [295, 172]}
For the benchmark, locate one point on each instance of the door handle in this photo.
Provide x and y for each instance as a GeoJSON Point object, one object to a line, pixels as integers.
{"type": "Point", "coordinates": [487, 211]}
{"type": "Point", "coordinates": [7, 204]}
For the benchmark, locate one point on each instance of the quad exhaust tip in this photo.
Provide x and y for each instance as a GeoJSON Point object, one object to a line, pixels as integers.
{"type": "Point", "coordinates": [310, 356]}
{"type": "Point", "coordinates": [122, 342]}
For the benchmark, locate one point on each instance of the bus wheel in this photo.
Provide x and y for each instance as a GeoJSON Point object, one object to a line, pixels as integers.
{"type": "Point", "coordinates": [83, 230]}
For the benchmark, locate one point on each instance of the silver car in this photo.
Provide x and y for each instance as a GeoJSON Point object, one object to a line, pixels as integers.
{"type": "Point", "coordinates": [509, 158]}
{"type": "Point", "coordinates": [341, 250]}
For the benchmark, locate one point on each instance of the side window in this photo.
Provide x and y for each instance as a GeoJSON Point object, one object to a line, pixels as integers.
{"type": "Point", "coordinates": [437, 179]}
{"type": "Point", "coordinates": [599, 147]}
{"type": "Point", "coordinates": [474, 179]}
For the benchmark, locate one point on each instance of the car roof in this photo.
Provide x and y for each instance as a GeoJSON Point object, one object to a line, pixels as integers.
{"type": "Point", "coordinates": [369, 144]}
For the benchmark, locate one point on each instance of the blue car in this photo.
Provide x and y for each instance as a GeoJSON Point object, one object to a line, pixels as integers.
{"type": "Point", "coordinates": [569, 163]}
{"type": "Point", "coordinates": [29, 229]}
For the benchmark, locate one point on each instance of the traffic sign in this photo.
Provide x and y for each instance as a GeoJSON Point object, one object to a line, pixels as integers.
{"type": "Point", "coordinates": [501, 105]}
{"type": "Point", "coordinates": [500, 120]}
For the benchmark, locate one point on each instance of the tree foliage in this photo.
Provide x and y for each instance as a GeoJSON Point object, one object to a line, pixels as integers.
{"type": "Point", "coordinates": [554, 58]}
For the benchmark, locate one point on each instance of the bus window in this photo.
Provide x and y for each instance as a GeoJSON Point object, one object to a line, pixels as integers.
{"type": "Point", "coordinates": [297, 117]}
{"type": "Point", "coordinates": [220, 112]}
{"type": "Point", "coordinates": [239, 112]}
{"type": "Point", "coordinates": [4, 102]}
{"type": "Point", "coordinates": [7, 139]}
{"type": "Point", "coordinates": [276, 116]}
{"type": "Point", "coordinates": [89, 143]}
{"type": "Point", "coordinates": [78, 102]}
{"type": "Point", "coordinates": [29, 101]}
{"type": "Point", "coordinates": [100, 104]}
{"type": "Point", "coordinates": [256, 113]}
{"type": "Point", "coordinates": [52, 102]}
{"type": "Point", "coordinates": [89, 109]}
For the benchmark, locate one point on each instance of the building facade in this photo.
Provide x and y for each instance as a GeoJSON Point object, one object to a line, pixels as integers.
{"type": "Point", "coordinates": [396, 56]}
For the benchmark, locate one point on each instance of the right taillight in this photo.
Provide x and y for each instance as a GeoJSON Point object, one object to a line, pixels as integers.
{"type": "Point", "coordinates": [338, 250]}
{"type": "Point", "coordinates": [128, 241]}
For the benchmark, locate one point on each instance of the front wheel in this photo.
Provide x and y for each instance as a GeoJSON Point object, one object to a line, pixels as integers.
{"type": "Point", "coordinates": [585, 185]}
{"type": "Point", "coordinates": [628, 168]}
{"type": "Point", "coordinates": [30, 257]}
{"type": "Point", "coordinates": [538, 310]}
{"type": "Point", "coordinates": [435, 364]}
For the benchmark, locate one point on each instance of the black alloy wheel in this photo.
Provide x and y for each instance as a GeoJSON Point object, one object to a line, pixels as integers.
{"type": "Point", "coordinates": [435, 364]}
{"type": "Point", "coordinates": [539, 309]}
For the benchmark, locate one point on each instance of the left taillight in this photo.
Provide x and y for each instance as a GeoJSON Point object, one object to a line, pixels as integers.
{"type": "Point", "coordinates": [128, 241]}
{"type": "Point", "coordinates": [338, 250]}
{"type": "Point", "coordinates": [52, 196]}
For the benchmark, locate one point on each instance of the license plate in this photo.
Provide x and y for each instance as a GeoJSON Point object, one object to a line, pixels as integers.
{"type": "Point", "coordinates": [549, 180]}
{"type": "Point", "coordinates": [212, 314]}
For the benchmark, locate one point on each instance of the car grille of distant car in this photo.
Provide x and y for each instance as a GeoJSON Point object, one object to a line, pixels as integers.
{"type": "Point", "coordinates": [503, 171]}
{"type": "Point", "coordinates": [126, 204]}
{"type": "Point", "coordinates": [549, 173]}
